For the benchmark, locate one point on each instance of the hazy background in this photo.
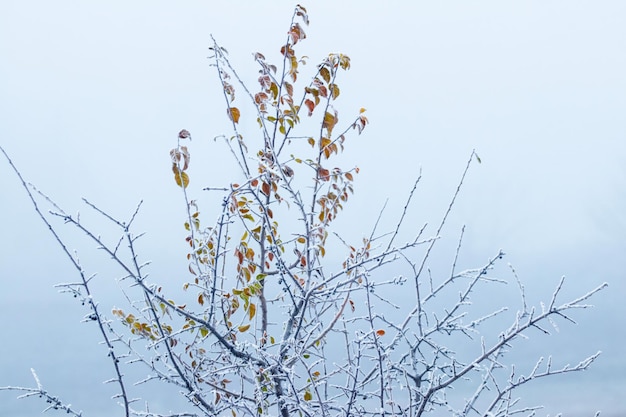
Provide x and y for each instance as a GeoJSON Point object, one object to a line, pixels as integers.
{"type": "Point", "coordinates": [92, 95]}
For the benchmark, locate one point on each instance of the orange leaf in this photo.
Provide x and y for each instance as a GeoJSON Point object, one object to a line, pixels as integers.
{"type": "Point", "coordinates": [233, 113]}
{"type": "Point", "coordinates": [239, 256]}
{"type": "Point", "coordinates": [380, 332]}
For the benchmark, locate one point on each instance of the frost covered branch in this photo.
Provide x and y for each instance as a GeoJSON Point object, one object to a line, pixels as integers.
{"type": "Point", "coordinates": [280, 314]}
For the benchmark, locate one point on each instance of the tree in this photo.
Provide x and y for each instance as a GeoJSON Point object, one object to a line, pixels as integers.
{"type": "Point", "coordinates": [271, 323]}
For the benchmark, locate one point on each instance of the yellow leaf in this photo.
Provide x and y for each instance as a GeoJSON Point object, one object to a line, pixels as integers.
{"type": "Point", "coordinates": [344, 61]}
{"type": "Point", "coordinates": [252, 310]}
{"type": "Point", "coordinates": [301, 239]}
{"type": "Point", "coordinates": [181, 178]}
{"type": "Point", "coordinates": [330, 120]}
{"type": "Point", "coordinates": [308, 396]}
{"type": "Point", "coordinates": [243, 328]}
{"type": "Point", "coordinates": [274, 90]}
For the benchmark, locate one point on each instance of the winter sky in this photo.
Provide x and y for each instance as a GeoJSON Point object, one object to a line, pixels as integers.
{"type": "Point", "coordinates": [92, 95]}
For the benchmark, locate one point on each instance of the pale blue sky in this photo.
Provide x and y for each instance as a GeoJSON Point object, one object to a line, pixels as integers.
{"type": "Point", "coordinates": [92, 95]}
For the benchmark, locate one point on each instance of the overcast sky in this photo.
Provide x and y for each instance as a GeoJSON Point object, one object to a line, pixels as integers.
{"type": "Point", "coordinates": [92, 95]}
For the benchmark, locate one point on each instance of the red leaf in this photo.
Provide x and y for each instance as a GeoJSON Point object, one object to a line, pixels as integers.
{"type": "Point", "coordinates": [310, 105]}
{"type": "Point", "coordinates": [265, 81]}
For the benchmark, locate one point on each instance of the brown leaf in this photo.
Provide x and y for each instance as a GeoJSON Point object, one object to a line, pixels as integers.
{"type": "Point", "coordinates": [265, 189]}
{"type": "Point", "coordinates": [260, 97]}
{"type": "Point", "coordinates": [323, 174]}
{"type": "Point", "coordinates": [288, 171]}
{"type": "Point", "coordinates": [186, 157]}
{"type": "Point", "coordinates": [325, 73]}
